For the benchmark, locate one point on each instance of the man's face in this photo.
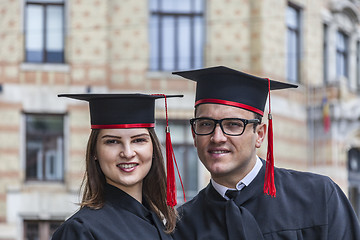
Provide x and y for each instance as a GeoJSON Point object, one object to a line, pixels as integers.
{"type": "Point", "coordinates": [228, 158]}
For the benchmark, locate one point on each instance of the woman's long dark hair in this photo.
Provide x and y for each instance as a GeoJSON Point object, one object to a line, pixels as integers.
{"type": "Point", "coordinates": [154, 184]}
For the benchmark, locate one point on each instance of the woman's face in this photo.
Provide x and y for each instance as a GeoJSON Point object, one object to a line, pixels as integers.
{"type": "Point", "coordinates": [125, 156]}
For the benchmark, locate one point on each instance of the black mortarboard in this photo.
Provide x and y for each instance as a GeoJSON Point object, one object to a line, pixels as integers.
{"type": "Point", "coordinates": [120, 110]}
{"type": "Point", "coordinates": [230, 87]}
{"type": "Point", "coordinates": [222, 85]}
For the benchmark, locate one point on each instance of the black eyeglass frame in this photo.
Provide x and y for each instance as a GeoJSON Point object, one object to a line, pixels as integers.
{"type": "Point", "coordinates": [245, 121]}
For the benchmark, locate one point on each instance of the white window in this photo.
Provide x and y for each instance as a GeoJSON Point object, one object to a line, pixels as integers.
{"type": "Point", "coordinates": [358, 66]}
{"type": "Point", "coordinates": [44, 31]}
{"type": "Point", "coordinates": [341, 54]}
{"type": "Point", "coordinates": [293, 44]}
{"type": "Point", "coordinates": [176, 34]}
{"type": "Point", "coordinates": [325, 53]}
{"type": "Point", "coordinates": [44, 147]}
{"type": "Point", "coordinates": [39, 230]}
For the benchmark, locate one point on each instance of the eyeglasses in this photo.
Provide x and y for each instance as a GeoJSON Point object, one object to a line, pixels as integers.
{"type": "Point", "coordinates": [229, 126]}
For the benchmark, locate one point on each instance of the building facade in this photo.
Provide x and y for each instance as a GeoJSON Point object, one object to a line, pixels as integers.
{"type": "Point", "coordinates": [50, 47]}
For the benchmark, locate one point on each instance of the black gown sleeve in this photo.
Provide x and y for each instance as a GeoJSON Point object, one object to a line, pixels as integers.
{"type": "Point", "coordinates": [73, 229]}
{"type": "Point", "coordinates": [343, 223]}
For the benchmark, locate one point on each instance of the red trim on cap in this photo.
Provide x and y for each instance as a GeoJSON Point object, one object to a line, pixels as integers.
{"type": "Point", "coordinates": [230, 103]}
{"type": "Point", "coordinates": [112, 126]}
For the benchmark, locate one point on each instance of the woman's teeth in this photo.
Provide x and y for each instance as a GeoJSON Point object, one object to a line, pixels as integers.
{"type": "Point", "coordinates": [127, 165]}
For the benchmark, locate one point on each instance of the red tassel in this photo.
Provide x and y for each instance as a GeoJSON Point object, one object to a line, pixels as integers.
{"type": "Point", "coordinates": [171, 182]}
{"type": "Point", "coordinates": [269, 184]}
{"type": "Point", "coordinates": [170, 171]}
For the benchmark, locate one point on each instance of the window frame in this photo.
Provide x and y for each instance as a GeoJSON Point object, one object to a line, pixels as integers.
{"type": "Point", "coordinates": [44, 50]}
{"type": "Point", "coordinates": [325, 53]}
{"type": "Point", "coordinates": [44, 228]}
{"type": "Point", "coordinates": [353, 168]}
{"type": "Point", "coordinates": [161, 15]}
{"type": "Point", "coordinates": [358, 66]}
{"type": "Point", "coordinates": [344, 53]}
{"type": "Point", "coordinates": [297, 32]}
{"type": "Point", "coordinates": [46, 175]}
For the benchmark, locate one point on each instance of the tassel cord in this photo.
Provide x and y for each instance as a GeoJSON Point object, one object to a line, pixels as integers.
{"type": "Point", "coordinates": [269, 184]}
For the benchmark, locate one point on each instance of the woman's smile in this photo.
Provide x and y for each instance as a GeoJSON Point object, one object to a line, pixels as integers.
{"type": "Point", "coordinates": [127, 167]}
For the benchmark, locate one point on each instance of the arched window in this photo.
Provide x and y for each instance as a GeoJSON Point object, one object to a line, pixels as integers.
{"type": "Point", "coordinates": [341, 48]}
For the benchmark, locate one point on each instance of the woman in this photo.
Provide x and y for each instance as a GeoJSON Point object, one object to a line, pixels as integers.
{"type": "Point", "coordinates": [124, 186]}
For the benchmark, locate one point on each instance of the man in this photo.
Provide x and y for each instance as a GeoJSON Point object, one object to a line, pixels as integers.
{"type": "Point", "coordinates": [227, 130]}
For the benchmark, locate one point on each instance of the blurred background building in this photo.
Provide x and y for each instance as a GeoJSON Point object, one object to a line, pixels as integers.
{"type": "Point", "coordinates": [49, 47]}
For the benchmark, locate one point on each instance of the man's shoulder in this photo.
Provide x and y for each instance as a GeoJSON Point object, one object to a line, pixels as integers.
{"type": "Point", "coordinates": [195, 202]}
{"type": "Point", "coordinates": [287, 174]}
{"type": "Point", "coordinates": [301, 179]}
{"type": "Point", "coordinates": [310, 176]}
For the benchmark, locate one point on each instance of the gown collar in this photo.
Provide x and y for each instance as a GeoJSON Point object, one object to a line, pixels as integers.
{"type": "Point", "coordinates": [242, 183]}
{"type": "Point", "coordinates": [120, 199]}
{"type": "Point", "coordinates": [254, 189]}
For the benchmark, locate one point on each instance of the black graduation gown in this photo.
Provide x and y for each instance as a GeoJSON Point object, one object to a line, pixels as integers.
{"type": "Point", "coordinates": [307, 206]}
{"type": "Point", "coordinates": [122, 217]}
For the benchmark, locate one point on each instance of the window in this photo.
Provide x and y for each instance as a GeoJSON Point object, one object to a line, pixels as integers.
{"type": "Point", "coordinates": [44, 147]}
{"type": "Point", "coordinates": [293, 44]}
{"type": "Point", "coordinates": [354, 178]}
{"type": "Point", "coordinates": [44, 31]}
{"type": "Point", "coordinates": [358, 66]}
{"type": "Point", "coordinates": [354, 197]}
{"type": "Point", "coordinates": [176, 34]}
{"type": "Point", "coordinates": [341, 54]}
{"type": "Point", "coordinates": [186, 157]}
{"type": "Point", "coordinates": [39, 230]}
{"type": "Point", "coordinates": [325, 53]}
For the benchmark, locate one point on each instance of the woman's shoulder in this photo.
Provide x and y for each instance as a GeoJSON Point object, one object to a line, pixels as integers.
{"type": "Point", "coordinates": [75, 227]}
{"type": "Point", "coordinates": [82, 223]}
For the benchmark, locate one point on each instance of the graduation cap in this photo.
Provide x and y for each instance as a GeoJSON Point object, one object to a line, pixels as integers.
{"type": "Point", "coordinates": [114, 111]}
{"type": "Point", "coordinates": [120, 110]}
{"type": "Point", "coordinates": [222, 85]}
{"type": "Point", "coordinates": [227, 86]}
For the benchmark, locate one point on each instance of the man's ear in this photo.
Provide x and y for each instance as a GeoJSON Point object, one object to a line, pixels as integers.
{"type": "Point", "coordinates": [193, 135]}
{"type": "Point", "coordinates": [260, 134]}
